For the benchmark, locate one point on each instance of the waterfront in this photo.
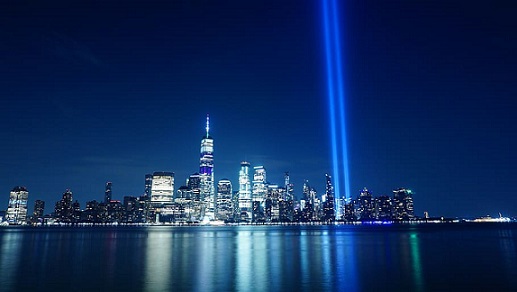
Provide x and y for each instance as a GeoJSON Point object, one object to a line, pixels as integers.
{"type": "Point", "coordinates": [395, 257]}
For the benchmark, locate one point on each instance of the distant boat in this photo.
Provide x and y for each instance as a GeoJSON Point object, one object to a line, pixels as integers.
{"type": "Point", "coordinates": [490, 219]}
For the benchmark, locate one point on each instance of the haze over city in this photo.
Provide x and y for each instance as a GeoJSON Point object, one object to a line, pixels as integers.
{"type": "Point", "coordinates": [95, 92]}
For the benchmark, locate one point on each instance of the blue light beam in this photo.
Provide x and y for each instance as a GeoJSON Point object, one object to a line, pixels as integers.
{"type": "Point", "coordinates": [336, 98]}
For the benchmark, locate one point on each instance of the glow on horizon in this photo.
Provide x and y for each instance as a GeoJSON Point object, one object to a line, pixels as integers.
{"type": "Point", "coordinates": [336, 94]}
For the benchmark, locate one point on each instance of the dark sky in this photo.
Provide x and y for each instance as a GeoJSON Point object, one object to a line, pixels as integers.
{"type": "Point", "coordinates": [111, 90]}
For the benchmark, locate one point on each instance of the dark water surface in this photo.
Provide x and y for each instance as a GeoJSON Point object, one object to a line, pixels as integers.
{"type": "Point", "coordinates": [480, 257]}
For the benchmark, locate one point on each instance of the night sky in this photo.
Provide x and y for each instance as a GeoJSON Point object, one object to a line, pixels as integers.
{"type": "Point", "coordinates": [100, 91]}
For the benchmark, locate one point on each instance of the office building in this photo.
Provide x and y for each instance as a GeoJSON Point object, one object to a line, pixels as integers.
{"type": "Point", "coordinates": [107, 193]}
{"type": "Point", "coordinates": [259, 191]}
{"type": "Point", "coordinates": [224, 209]}
{"type": "Point", "coordinates": [403, 204]}
{"type": "Point", "coordinates": [206, 170]}
{"type": "Point", "coordinates": [329, 212]}
{"type": "Point", "coordinates": [245, 207]}
{"type": "Point", "coordinates": [162, 188]}
{"type": "Point", "coordinates": [17, 208]}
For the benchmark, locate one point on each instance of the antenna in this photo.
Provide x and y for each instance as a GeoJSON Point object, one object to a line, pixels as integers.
{"type": "Point", "coordinates": [207, 124]}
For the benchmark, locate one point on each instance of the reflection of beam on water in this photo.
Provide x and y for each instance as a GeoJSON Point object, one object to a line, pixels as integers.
{"type": "Point", "coordinates": [9, 259]}
{"type": "Point", "coordinates": [508, 252]}
{"type": "Point", "coordinates": [328, 261]}
{"type": "Point", "coordinates": [346, 263]}
{"type": "Point", "coordinates": [158, 261]}
{"type": "Point", "coordinates": [417, 265]}
{"type": "Point", "coordinates": [304, 258]}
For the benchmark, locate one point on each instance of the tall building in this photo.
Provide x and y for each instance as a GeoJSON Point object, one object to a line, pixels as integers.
{"type": "Point", "coordinates": [383, 208]}
{"type": "Point", "coordinates": [206, 169]}
{"type": "Point", "coordinates": [107, 193]}
{"type": "Point", "coordinates": [64, 211]}
{"type": "Point", "coordinates": [245, 192]}
{"type": "Point", "coordinates": [403, 204]}
{"type": "Point", "coordinates": [259, 184]}
{"type": "Point", "coordinates": [289, 187]}
{"type": "Point", "coordinates": [329, 213]}
{"type": "Point", "coordinates": [285, 205]}
{"type": "Point", "coordinates": [365, 206]}
{"type": "Point", "coordinates": [224, 208]}
{"type": "Point", "coordinates": [162, 189]}
{"type": "Point", "coordinates": [194, 186]}
{"type": "Point", "coordinates": [148, 184]}
{"type": "Point", "coordinates": [39, 209]}
{"type": "Point", "coordinates": [17, 208]}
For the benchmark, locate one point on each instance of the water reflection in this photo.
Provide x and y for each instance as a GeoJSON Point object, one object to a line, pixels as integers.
{"type": "Point", "coordinates": [345, 262]}
{"type": "Point", "coordinates": [417, 265]}
{"type": "Point", "coordinates": [9, 258]}
{"type": "Point", "coordinates": [297, 258]}
{"type": "Point", "coordinates": [509, 254]}
{"type": "Point", "coordinates": [243, 271]}
{"type": "Point", "coordinates": [158, 261]}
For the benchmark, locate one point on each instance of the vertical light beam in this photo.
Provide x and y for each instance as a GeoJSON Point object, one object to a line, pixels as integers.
{"type": "Point", "coordinates": [341, 98]}
{"type": "Point", "coordinates": [336, 99]}
{"type": "Point", "coordinates": [331, 97]}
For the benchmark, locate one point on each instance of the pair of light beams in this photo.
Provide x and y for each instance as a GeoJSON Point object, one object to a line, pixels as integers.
{"type": "Point", "coordinates": [336, 98]}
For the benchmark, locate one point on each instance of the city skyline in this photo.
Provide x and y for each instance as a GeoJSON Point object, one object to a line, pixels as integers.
{"type": "Point", "coordinates": [100, 92]}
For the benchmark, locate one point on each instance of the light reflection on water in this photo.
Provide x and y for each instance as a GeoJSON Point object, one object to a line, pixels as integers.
{"type": "Point", "coordinates": [9, 259]}
{"type": "Point", "coordinates": [158, 261]}
{"type": "Point", "coordinates": [260, 258]}
{"type": "Point", "coordinates": [417, 265]}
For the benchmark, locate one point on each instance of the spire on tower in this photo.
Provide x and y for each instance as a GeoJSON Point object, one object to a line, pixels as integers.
{"type": "Point", "coordinates": [207, 124]}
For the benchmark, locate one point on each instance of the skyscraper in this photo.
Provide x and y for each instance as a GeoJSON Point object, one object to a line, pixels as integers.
{"type": "Point", "coordinates": [107, 193]}
{"type": "Point", "coordinates": [64, 210]}
{"type": "Point", "coordinates": [17, 208]}
{"type": "Point", "coordinates": [259, 184]}
{"type": "Point", "coordinates": [206, 170]}
{"type": "Point", "coordinates": [224, 199]}
{"type": "Point", "coordinates": [403, 204]}
{"type": "Point", "coordinates": [148, 185]}
{"type": "Point", "coordinates": [365, 206]}
{"type": "Point", "coordinates": [39, 208]}
{"type": "Point", "coordinates": [162, 189]}
{"type": "Point", "coordinates": [194, 186]}
{"type": "Point", "coordinates": [245, 191]}
{"type": "Point", "coordinates": [329, 213]}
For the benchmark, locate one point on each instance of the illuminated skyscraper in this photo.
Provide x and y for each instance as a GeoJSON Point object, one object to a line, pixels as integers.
{"type": "Point", "coordinates": [17, 208]}
{"type": "Point", "coordinates": [206, 170]}
{"type": "Point", "coordinates": [224, 199]}
{"type": "Point", "coordinates": [107, 193]}
{"type": "Point", "coordinates": [259, 193]}
{"type": "Point", "coordinates": [148, 185]}
{"type": "Point", "coordinates": [365, 206]}
{"type": "Point", "coordinates": [259, 184]}
{"type": "Point", "coordinates": [289, 188]}
{"type": "Point", "coordinates": [194, 186]}
{"type": "Point", "coordinates": [39, 208]}
{"type": "Point", "coordinates": [403, 204]}
{"type": "Point", "coordinates": [162, 189]}
{"type": "Point", "coordinates": [329, 213]}
{"type": "Point", "coordinates": [63, 210]}
{"type": "Point", "coordinates": [245, 191]}
{"type": "Point", "coordinates": [383, 208]}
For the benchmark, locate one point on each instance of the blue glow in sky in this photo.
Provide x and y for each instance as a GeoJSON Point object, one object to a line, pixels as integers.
{"type": "Point", "coordinates": [336, 99]}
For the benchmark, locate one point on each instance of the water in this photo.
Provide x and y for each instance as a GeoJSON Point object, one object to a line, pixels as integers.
{"type": "Point", "coordinates": [261, 258]}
